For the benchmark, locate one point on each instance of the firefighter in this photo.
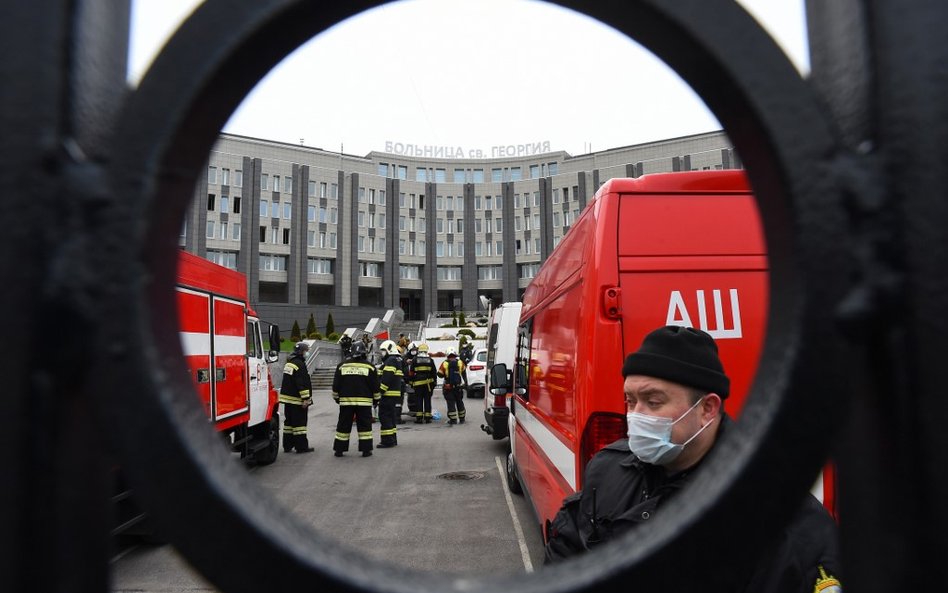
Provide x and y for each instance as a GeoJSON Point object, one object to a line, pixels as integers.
{"type": "Point", "coordinates": [423, 382]}
{"type": "Point", "coordinates": [355, 387]}
{"type": "Point", "coordinates": [345, 345]}
{"type": "Point", "coordinates": [296, 396]}
{"type": "Point", "coordinates": [390, 385]}
{"type": "Point", "coordinates": [452, 371]}
{"type": "Point", "coordinates": [408, 362]}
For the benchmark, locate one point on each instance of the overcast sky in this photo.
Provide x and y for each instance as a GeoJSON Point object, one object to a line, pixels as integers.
{"type": "Point", "coordinates": [437, 51]}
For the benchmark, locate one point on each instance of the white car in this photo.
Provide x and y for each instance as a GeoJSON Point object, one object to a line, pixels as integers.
{"type": "Point", "coordinates": [477, 373]}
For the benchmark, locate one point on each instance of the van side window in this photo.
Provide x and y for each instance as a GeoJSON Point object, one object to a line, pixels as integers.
{"type": "Point", "coordinates": [524, 336]}
{"type": "Point", "coordinates": [491, 344]}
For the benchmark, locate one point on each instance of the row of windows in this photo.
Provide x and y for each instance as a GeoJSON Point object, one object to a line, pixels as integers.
{"type": "Point", "coordinates": [278, 263]}
{"type": "Point", "coordinates": [225, 177]}
{"type": "Point", "coordinates": [460, 175]}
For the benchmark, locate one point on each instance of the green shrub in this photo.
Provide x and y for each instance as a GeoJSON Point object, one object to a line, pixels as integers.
{"type": "Point", "coordinates": [461, 320]}
{"type": "Point", "coordinates": [295, 332]}
{"type": "Point", "coordinates": [333, 337]}
{"type": "Point", "coordinates": [330, 325]}
{"type": "Point", "coordinates": [466, 332]}
{"type": "Point", "coordinates": [311, 325]}
{"type": "Point", "coordinates": [313, 336]}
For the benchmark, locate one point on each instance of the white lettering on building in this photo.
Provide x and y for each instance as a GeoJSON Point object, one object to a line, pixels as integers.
{"type": "Point", "coordinates": [434, 151]}
{"type": "Point", "coordinates": [678, 313]}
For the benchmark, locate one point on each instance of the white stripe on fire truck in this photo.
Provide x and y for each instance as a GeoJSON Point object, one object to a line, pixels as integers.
{"type": "Point", "coordinates": [561, 456]}
{"type": "Point", "coordinates": [199, 344]}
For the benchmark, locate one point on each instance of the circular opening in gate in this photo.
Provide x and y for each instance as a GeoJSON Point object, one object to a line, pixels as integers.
{"type": "Point", "coordinates": [271, 226]}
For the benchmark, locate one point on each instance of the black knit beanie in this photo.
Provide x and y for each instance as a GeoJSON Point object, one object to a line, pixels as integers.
{"type": "Point", "coordinates": [682, 355]}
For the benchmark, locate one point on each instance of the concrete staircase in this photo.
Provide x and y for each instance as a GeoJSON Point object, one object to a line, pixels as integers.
{"type": "Point", "coordinates": [322, 377]}
{"type": "Point", "coordinates": [411, 329]}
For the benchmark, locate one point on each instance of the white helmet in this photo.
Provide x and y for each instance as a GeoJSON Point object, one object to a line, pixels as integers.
{"type": "Point", "coordinates": [451, 351]}
{"type": "Point", "coordinates": [389, 347]}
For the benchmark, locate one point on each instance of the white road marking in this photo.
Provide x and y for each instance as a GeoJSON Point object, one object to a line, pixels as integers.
{"type": "Point", "coordinates": [524, 552]}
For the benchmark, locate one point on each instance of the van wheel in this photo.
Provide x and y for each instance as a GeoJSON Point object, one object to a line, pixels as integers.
{"type": "Point", "coordinates": [268, 455]}
{"type": "Point", "coordinates": [513, 484]}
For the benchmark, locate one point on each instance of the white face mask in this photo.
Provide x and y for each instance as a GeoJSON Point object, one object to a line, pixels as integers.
{"type": "Point", "coordinates": [650, 437]}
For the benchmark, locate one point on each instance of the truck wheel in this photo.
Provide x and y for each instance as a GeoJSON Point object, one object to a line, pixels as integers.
{"type": "Point", "coordinates": [513, 484]}
{"type": "Point", "coordinates": [268, 455]}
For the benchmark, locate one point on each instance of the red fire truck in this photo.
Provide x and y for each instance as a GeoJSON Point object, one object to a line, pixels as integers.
{"type": "Point", "coordinates": [666, 249]}
{"type": "Point", "coordinates": [222, 342]}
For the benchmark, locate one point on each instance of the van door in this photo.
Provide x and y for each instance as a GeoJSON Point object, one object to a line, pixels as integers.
{"type": "Point", "coordinates": [697, 261]}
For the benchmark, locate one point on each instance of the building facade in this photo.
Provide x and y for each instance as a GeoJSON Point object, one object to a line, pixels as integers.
{"type": "Point", "coordinates": [311, 227]}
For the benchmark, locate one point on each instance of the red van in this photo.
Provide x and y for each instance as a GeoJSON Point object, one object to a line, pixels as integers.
{"type": "Point", "coordinates": [665, 249]}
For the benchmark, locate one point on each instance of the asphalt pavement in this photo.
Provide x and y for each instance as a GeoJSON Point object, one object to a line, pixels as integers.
{"type": "Point", "coordinates": [437, 503]}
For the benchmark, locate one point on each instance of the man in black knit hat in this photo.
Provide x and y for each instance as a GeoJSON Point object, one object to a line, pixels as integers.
{"type": "Point", "coordinates": [674, 390]}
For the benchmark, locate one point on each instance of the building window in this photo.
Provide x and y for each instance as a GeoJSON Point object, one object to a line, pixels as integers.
{"type": "Point", "coordinates": [499, 225]}
{"type": "Point", "coordinates": [421, 174]}
{"type": "Point", "coordinates": [439, 203]}
{"type": "Point", "coordinates": [459, 227]}
{"type": "Point", "coordinates": [421, 224]}
{"type": "Point", "coordinates": [318, 266]}
{"type": "Point", "coordinates": [402, 172]}
{"type": "Point", "coordinates": [238, 178]}
{"type": "Point", "coordinates": [224, 230]}
{"type": "Point", "coordinates": [553, 169]}
{"type": "Point", "coordinates": [487, 225]}
{"type": "Point", "coordinates": [477, 225]}
{"type": "Point", "coordinates": [529, 270]}
{"type": "Point", "coordinates": [439, 226]}
{"type": "Point", "coordinates": [536, 246]}
{"type": "Point", "coordinates": [225, 204]}
{"type": "Point", "coordinates": [565, 194]}
{"type": "Point", "coordinates": [370, 269]}
{"type": "Point", "coordinates": [534, 171]}
{"type": "Point", "coordinates": [288, 185]}
{"type": "Point", "coordinates": [334, 191]}
{"type": "Point", "coordinates": [228, 259]}
{"type": "Point", "coordinates": [499, 248]}
{"type": "Point", "coordinates": [490, 273]}
{"type": "Point", "coordinates": [333, 216]}
{"type": "Point", "coordinates": [517, 224]}
{"type": "Point", "coordinates": [311, 213]}
{"type": "Point", "coordinates": [361, 219]}
{"type": "Point", "coordinates": [236, 204]}
{"type": "Point", "coordinates": [264, 208]}
{"type": "Point", "coordinates": [322, 189]}
{"type": "Point", "coordinates": [264, 181]}
{"type": "Point", "coordinates": [408, 272]}
{"type": "Point", "coordinates": [478, 176]}
{"type": "Point", "coordinates": [322, 240]}
{"type": "Point", "coordinates": [263, 234]}
{"type": "Point", "coordinates": [556, 219]}
{"type": "Point", "coordinates": [382, 197]}
{"type": "Point", "coordinates": [311, 189]}
{"type": "Point", "coordinates": [383, 169]}
{"type": "Point", "coordinates": [311, 238]}
{"type": "Point", "coordinates": [440, 176]}
{"type": "Point", "coordinates": [332, 240]}
{"type": "Point", "coordinates": [439, 249]}
{"type": "Point", "coordinates": [459, 176]}
{"type": "Point", "coordinates": [371, 195]}
{"type": "Point", "coordinates": [488, 202]}
{"type": "Point", "coordinates": [536, 198]}
{"type": "Point", "coordinates": [272, 263]}
{"type": "Point", "coordinates": [449, 273]}
{"type": "Point", "coordinates": [497, 175]}
{"type": "Point", "coordinates": [210, 229]}
{"type": "Point", "coordinates": [477, 202]}
{"type": "Point", "coordinates": [516, 200]}
{"type": "Point", "coordinates": [515, 174]}
{"type": "Point", "coordinates": [287, 210]}
{"type": "Point", "coordinates": [225, 176]}
{"type": "Point", "coordinates": [212, 175]}
{"type": "Point", "coordinates": [210, 202]}
{"type": "Point", "coordinates": [276, 183]}
{"type": "Point", "coordinates": [286, 236]}
{"type": "Point", "coordinates": [556, 195]}
{"type": "Point", "coordinates": [274, 235]}
{"type": "Point", "coordinates": [536, 221]}
{"type": "Point", "coordinates": [235, 231]}
{"type": "Point", "coordinates": [275, 210]}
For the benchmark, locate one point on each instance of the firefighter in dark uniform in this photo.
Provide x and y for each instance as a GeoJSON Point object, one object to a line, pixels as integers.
{"type": "Point", "coordinates": [296, 396]}
{"type": "Point", "coordinates": [674, 389]}
{"type": "Point", "coordinates": [355, 387]}
{"type": "Point", "coordinates": [408, 363]}
{"type": "Point", "coordinates": [452, 371]}
{"type": "Point", "coordinates": [423, 382]}
{"type": "Point", "coordinates": [390, 385]}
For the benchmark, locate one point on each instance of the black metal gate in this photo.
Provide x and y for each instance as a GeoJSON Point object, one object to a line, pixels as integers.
{"type": "Point", "coordinates": [850, 169]}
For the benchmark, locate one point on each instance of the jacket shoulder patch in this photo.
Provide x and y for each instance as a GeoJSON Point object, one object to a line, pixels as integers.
{"type": "Point", "coordinates": [827, 583]}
